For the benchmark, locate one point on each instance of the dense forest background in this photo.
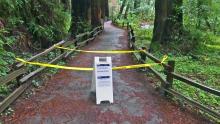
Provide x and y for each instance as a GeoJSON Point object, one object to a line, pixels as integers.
{"type": "Point", "coordinates": [187, 30]}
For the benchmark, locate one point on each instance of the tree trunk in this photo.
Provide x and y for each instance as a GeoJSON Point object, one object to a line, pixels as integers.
{"type": "Point", "coordinates": [103, 9]}
{"type": "Point", "coordinates": [81, 11]}
{"type": "Point", "coordinates": [106, 8]}
{"type": "Point", "coordinates": [160, 17]}
{"type": "Point", "coordinates": [203, 14]}
{"type": "Point", "coordinates": [174, 21]}
{"type": "Point", "coordinates": [122, 8]}
{"type": "Point", "coordinates": [127, 10]}
{"type": "Point", "coordinates": [96, 13]}
{"type": "Point", "coordinates": [168, 20]}
{"type": "Point", "coordinates": [67, 4]}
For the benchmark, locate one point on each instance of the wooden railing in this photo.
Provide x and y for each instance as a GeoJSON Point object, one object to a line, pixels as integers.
{"type": "Point", "coordinates": [167, 82]}
{"type": "Point", "coordinates": [22, 74]}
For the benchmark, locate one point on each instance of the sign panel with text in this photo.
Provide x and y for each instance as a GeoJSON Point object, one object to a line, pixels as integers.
{"type": "Point", "coordinates": [102, 79]}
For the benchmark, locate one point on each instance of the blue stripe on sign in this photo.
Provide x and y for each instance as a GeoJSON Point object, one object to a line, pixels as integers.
{"type": "Point", "coordinates": [103, 65]}
{"type": "Point", "coordinates": [103, 77]}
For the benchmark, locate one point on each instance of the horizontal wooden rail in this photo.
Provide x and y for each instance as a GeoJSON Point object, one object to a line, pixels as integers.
{"type": "Point", "coordinates": [82, 35]}
{"type": "Point", "coordinates": [194, 103]}
{"type": "Point", "coordinates": [68, 43]}
{"type": "Point", "coordinates": [158, 75]}
{"type": "Point", "coordinates": [13, 75]}
{"type": "Point", "coordinates": [42, 53]}
{"type": "Point", "coordinates": [30, 75]}
{"type": "Point", "coordinates": [195, 84]}
{"type": "Point", "coordinates": [13, 96]}
{"type": "Point", "coordinates": [96, 30]}
{"type": "Point", "coordinates": [81, 44]}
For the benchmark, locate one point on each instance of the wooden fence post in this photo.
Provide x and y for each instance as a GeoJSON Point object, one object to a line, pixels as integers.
{"type": "Point", "coordinates": [133, 36]}
{"type": "Point", "coordinates": [168, 71]}
{"type": "Point", "coordinates": [76, 42]}
{"type": "Point", "coordinates": [127, 25]}
{"type": "Point", "coordinates": [142, 54]}
{"type": "Point", "coordinates": [87, 37]}
{"type": "Point", "coordinates": [133, 39]}
{"type": "Point", "coordinates": [132, 42]}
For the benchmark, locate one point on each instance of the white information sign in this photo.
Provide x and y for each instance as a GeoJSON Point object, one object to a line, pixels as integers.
{"type": "Point", "coordinates": [102, 79]}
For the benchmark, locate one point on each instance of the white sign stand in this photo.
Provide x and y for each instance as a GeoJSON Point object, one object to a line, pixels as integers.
{"type": "Point", "coordinates": [102, 79]}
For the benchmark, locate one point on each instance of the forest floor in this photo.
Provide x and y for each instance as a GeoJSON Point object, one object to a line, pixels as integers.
{"type": "Point", "coordinates": [66, 97]}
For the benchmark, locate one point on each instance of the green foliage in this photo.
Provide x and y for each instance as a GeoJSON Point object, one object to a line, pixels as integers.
{"type": "Point", "coordinates": [202, 14]}
{"type": "Point", "coordinates": [54, 70]}
{"type": "Point", "coordinates": [41, 32]}
{"type": "Point", "coordinates": [45, 20]}
{"type": "Point", "coordinates": [204, 70]}
{"type": "Point", "coordinates": [49, 21]}
{"type": "Point", "coordinates": [143, 35]}
{"type": "Point", "coordinates": [83, 26]}
{"type": "Point", "coordinates": [35, 83]}
{"type": "Point", "coordinates": [4, 90]}
{"type": "Point", "coordinates": [146, 10]}
{"type": "Point", "coordinates": [62, 24]}
{"type": "Point", "coordinates": [6, 58]}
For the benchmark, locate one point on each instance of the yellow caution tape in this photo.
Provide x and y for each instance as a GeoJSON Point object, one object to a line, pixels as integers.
{"type": "Point", "coordinates": [54, 66]}
{"type": "Point", "coordinates": [105, 52]}
{"type": "Point", "coordinates": [134, 66]}
{"type": "Point", "coordinates": [88, 69]}
{"type": "Point", "coordinates": [164, 59]}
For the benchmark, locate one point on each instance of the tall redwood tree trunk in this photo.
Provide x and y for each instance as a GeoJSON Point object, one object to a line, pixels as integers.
{"type": "Point", "coordinates": [103, 9]}
{"type": "Point", "coordinates": [122, 8]}
{"type": "Point", "coordinates": [107, 8]}
{"type": "Point", "coordinates": [96, 13]}
{"type": "Point", "coordinates": [168, 20]}
{"type": "Point", "coordinates": [127, 10]}
{"type": "Point", "coordinates": [81, 11]}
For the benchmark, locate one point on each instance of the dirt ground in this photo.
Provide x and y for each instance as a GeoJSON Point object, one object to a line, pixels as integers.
{"type": "Point", "coordinates": [66, 98]}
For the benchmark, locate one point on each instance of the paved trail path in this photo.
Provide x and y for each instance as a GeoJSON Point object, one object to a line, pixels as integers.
{"type": "Point", "coordinates": [66, 97]}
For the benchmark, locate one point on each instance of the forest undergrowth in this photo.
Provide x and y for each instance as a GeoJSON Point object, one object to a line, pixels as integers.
{"type": "Point", "coordinates": [196, 53]}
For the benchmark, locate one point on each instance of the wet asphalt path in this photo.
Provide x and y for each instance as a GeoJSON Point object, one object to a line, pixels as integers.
{"type": "Point", "coordinates": [66, 98]}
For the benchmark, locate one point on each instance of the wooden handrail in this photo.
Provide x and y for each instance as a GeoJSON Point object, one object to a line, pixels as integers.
{"type": "Point", "coordinates": [21, 70]}
{"type": "Point", "coordinates": [12, 75]}
{"type": "Point", "coordinates": [82, 35]}
{"type": "Point", "coordinates": [179, 77]}
{"type": "Point", "coordinates": [194, 103]}
{"type": "Point", "coordinates": [195, 84]}
{"type": "Point", "coordinates": [171, 75]}
{"type": "Point", "coordinates": [42, 53]}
